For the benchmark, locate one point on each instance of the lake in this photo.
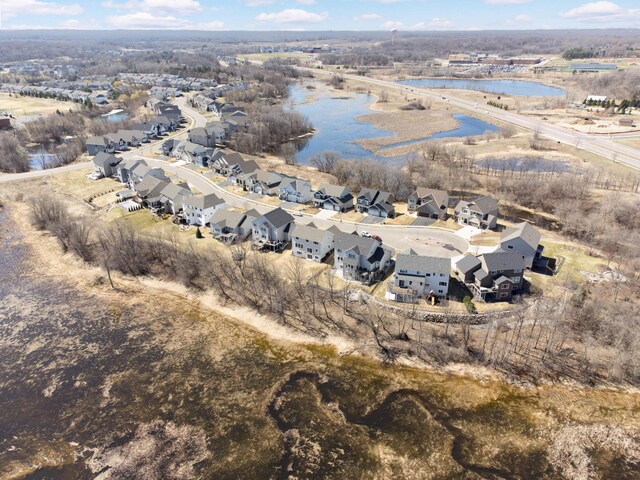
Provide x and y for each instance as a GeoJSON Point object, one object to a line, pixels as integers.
{"type": "Point", "coordinates": [520, 88]}
{"type": "Point", "coordinates": [335, 124]}
{"type": "Point", "coordinates": [116, 116]}
{"type": "Point", "coordinates": [469, 127]}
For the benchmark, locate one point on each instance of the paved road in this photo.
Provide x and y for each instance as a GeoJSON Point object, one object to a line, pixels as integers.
{"type": "Point", "coordinates": [424, 240]}
{"type": "Point", "coordinates": [601, 146]}
{"type": "Point", "coordinates": [195, 120]}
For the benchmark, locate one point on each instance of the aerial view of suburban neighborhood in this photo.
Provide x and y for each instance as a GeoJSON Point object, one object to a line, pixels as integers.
{"type": "Point", "coordinates": [319, 240]}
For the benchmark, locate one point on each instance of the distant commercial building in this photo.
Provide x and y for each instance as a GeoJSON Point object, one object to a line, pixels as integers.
{"type": "Point", "coordinates": [593, 67]}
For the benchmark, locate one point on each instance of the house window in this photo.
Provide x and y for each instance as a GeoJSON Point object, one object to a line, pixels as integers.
{"type": "Point", "coordinates": [515, 279]}
{"type": "Point", "coordinates": [443, 284]}
{"type": "Point", "coordinates": [504, 286]}
{"type": "Point", "coordinates": [510, 247]}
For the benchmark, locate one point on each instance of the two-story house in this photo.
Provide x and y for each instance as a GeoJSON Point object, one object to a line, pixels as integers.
{"type": "Point", "coordinates": [419, 276]}
{"type": "Point", "coordinates": [333, 197]}
{"type": "Point", "coordinates": [262, 182]}
{"type": "Point", "coordinates": [295, 190]}
{"type": "Point", "coordinates": [524, 239]}
{"type": "Point", "coordinates": [493, 276]}
{"type": "Point", "coordinates": [173, 196]}
{"type": "Point", "coordinates": [481, 213]}
{"type": "Point", "coordinates": [105, 164]}
{"type": "Point", "coordinates": [198, 209]}
{"type": "Point", "coordinates": [230, 226]}
{"type": "Point", "coordinates": [272, 231]}
{"type": "Point", "coordinates": [311, 242]}
{"type": "Point", "coordinates": [429, 202]}
{"type": "Point", "coordinates": [359, 258]}
{"type": "Point", "coordinates": [375, 202]}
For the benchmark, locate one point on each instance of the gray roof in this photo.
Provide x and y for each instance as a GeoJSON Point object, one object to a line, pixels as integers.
{"type": "Point", "coordinates": [270, 178]}
{"type": "Point", "coordinates": [348, 241]}
{"type": "Point", "coordinates": [204, 201]}
{"type": "Point", "coordinates": [277, 217]}
{"type": "Point", "coordinates": [227, 218]}
{"type": "Point", "coordinates": [440, 196]}
{"type": "Point", "coordinates": [312, 234]}
{"type": "Point", "coordinates": [502, 260]}
{"type": "Point", "coordinates": [376, 196]}
{"type": "Point", "coordinates": [523, 230]}
{"type": "Point", "coordinates": [411, 261]}
{"type": "Point", "coordinates": [151, 186]}
{"type": "Point", "coordinates": [333, 190]}
{"type": "Point", "coordinates": [100, 140]}
{"type": "Point", "coordinates": [484, 204]}
{"type": "Point", "coordinates": [103, 159]}
{"type": "Point", "coordinates": [468, 263]}
{"type": "Point", "coordinates": [173, 191]}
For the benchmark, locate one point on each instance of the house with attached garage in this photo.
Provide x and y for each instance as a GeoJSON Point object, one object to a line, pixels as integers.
{"type": "Point", "coordinates": [126, 139]}
{"type": "Point", "coordinates": [99, 144]}
{"type": "Point", "coordinates": [492, 276]}
{"type": "Point", "coordinates": [311, 243]}
{"type": "Point", "coordinates": [238, 168]}
{"type": "Point", "coordinates": [481, 213]}
{"type": "Point", "coordinates": [149, 190]}
{"type": "Point", "coordinates": [358, 258]}
{"type": "Point", "coordinates": [375, 202]}
{"type": "Point", "coordinates": [272, 231]}
{"type": "Point", "coordinates": [105, 164]}
{"type": "Point", "coordinates": [198, 209]}
{"type": "Point", "coordinates": [524, 239]}
{"type": "Point", "coordinates": [262, 182]}
{"type": "Point", "coordinates": [173, 196]}
{"type": "Point", "coordinates": [139, 171]}
{"type": "Point", "coordinates": [333, 197]}
{"type": "Point", "coordinates": [192, 153]}
{"type": "Point", "coordinates": [429, 202]}
{"type": "Point", "coordinates": [295, 190]}
{"type": "Point", "coordinates": [202, 136]}
{"type": "Point", "coordinates": [419, 276]}
{"type": "Point", "coordinates": [229, 226]}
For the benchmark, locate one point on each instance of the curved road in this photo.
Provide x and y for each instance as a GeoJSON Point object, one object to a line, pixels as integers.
{"type": "Point", "coordinates": [424, 240]}
{"type": "Point", "coordinates": [600, 146]}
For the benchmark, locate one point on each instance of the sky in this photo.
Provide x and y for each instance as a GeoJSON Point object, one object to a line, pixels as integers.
{"type": "Point", "coordinates": [407, 15]}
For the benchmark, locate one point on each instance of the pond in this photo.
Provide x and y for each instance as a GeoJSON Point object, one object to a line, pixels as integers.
{"type": "Point", "coordinates": [524, 164]}
{"type": "Point", "coordinates": [40, 159]}
{"type": "Point", "coordinates": [335, 124]}
{"type": "Point", "coordinates": [469, 127]}
{"type": "Point", "coordinates": [520, 88]}
{"type": "Point", "coordinates": [116, 116]}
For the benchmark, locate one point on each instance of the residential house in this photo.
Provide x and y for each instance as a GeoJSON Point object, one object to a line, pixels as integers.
{"type": "Point", "coordinates": [149, 190]}
{"type": "Point", "coordinates": [126, 139]}
{"type": "Point", "coordinates": [173, 196]}
{"type": "Point", "coordinates": [229, 226]}
{"type": "Point", "coordinates": [137, 172]}
{"type": "Point", "coordinates": [202, 136]}
{"type": "Point", "coordinates": [295, 190]}
{"type": "Point", "coordinates": [359, 258]}
{"type": "Point", "coordinates": [333, 197]}
{"type": "Point", "coordinates": [262, 182]}
{"type": "Point", "coordinates": [236, 167]}
{"type": "Point", "coordinates": [105, 164]}
{"type": "Point", "coordinates": [99, 144]}
{"type": "Point", "coordinates": [272, 230]}
{"type": "Point", "coordinates": [375, 202]}
{"type": "Point", "coordinates": [481, 213]}
{"type": "Point", "coordinates": [123, 169]}
{"type": "Point", "coordinates": [198, 209]}
{"type": "Point", "coordinates": [429, 202]}
{"type": "Point", "coordinates": [524, 239]}
{"type": "Point", "coordinates": [495, 276]}
{"type": "Point", "coordinates": [311, 242]}
{"type": "Point", "coordinates": [192, 153]}
{"type": "Point", "coordinates": [98, 98]}
{"type": "Point", "coordinates": [169, 146]}
{"type": "Point", "coordinates": [419, 276]}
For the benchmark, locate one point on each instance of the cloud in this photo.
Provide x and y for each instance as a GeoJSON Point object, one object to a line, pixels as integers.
{"type": "Point", "coordinates": [603, 11]}
{"type": "Point", "coordinates": [156, 6]}
{"type": "Point", "coordinates": [293, 15]}
{"type": "Point", "coordinates": [506, 2]}
{"type": "Point", "coordinates": [36, 7]}
{"type": "Point", "coordinates": [368, 16]}
{"type": "Point", "coordinates": [258, 3]}
{"type": "Point", "coordinates": [434, 24]}
{"type": "Point", "coordinates": [147, 20]}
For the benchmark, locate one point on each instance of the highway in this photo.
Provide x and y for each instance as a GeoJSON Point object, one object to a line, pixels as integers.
{"type": "Point", "coordinates": [601, 146]}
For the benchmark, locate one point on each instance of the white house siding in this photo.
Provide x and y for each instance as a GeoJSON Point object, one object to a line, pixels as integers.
{"type": "Point", "coordinates": [310, 250]}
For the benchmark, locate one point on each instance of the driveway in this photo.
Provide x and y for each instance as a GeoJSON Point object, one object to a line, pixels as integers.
{"type": "Point", "coordinates": [423, 222]}
{"type": "Point", "coordinates": [325, 214]}
{"type": "Point", "coordinates": [371, 220]}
